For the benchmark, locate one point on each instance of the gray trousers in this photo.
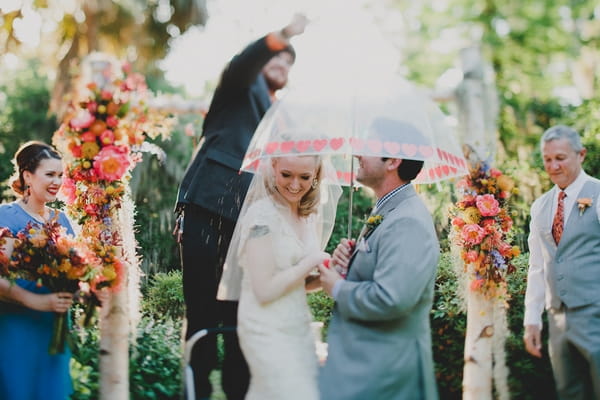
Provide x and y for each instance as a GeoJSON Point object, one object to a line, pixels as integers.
{"type": "Point", "coordinates": [574, 349]}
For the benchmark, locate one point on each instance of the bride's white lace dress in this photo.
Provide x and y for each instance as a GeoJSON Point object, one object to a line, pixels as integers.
{"type": "Point", "coordinates": [275, 337]}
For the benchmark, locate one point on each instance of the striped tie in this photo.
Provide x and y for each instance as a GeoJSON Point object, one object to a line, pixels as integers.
{"type": "Point", "coordinates": [559, 218]}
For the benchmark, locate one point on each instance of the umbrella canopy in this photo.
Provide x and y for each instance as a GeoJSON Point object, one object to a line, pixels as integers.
{"type": "Point", "coordinates": [390, 119]}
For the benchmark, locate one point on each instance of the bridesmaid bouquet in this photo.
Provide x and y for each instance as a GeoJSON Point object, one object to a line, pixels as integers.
{"type": "Point", "coordinates": [49, 256]}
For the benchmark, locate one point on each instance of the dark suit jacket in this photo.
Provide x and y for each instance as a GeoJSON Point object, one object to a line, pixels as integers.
{"type": "Point", "coordinates": [212, 180]}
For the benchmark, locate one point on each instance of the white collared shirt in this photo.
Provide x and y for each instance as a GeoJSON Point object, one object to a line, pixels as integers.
{"type": "Point", "coordinates": [535, 294]}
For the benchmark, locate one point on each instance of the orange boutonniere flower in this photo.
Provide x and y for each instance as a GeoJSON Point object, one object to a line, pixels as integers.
{"type": "Point", "coordinates": [584, 203]}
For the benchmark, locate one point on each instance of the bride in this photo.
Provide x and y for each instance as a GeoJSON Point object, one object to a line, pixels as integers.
{"type": "Point", "coordinates": [285, 223]}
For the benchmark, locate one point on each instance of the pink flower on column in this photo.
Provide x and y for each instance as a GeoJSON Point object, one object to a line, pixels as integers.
{"type": "Point", "coordinates": [488, 205]}
{"type": "Point", "coordinates": [82, 120]}
{"type": "Point", "coordinates": [111, 163]}
{"type": "Point", "coordinates": [472, 234]}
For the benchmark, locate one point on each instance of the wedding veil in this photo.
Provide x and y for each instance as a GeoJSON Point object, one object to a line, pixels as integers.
{"type": "Point", "coordinates": [262, 189]}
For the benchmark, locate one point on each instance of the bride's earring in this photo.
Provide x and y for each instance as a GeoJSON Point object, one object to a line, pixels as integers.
{"type": "Point", "coordinates": [26, 194]}
{"type": "Point", "coordinates": [314, 183]}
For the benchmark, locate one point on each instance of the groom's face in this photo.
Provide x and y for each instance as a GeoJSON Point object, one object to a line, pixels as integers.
{"type": "Point", "coordinates": [371, 171]}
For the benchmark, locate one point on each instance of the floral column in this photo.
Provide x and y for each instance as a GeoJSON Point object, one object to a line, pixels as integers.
{"type": "Point", "coordinates": [481, 240]}
{"type": "Point", "coordinates": [101, 138]}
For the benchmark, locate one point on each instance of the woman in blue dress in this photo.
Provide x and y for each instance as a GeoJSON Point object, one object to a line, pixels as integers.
{"type": "Point", "coordinates": [27, 370]}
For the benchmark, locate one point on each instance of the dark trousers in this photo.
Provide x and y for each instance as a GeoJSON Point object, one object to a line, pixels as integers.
{"type": "Point", "coordinates": [206, 237]}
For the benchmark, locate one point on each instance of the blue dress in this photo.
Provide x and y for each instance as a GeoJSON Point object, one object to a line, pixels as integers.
{"type": "Point", "coordinates": [27, 371]}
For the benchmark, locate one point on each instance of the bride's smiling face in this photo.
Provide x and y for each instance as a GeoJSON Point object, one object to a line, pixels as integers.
{"type": "Point", "coordinates": [294, 176]}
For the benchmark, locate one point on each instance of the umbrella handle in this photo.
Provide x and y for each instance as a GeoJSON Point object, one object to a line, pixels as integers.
{"type": "Point", "coordinates": [349, 236]}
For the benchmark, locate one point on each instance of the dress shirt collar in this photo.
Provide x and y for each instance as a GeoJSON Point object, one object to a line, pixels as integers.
{"type": "Point", "coordinates": [575, 187]}
{"type": "Point", "coordinates": [388, 196]}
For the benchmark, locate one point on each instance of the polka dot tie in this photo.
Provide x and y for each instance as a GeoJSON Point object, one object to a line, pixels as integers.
{"type": "Point", "coordinates": [559, 218]}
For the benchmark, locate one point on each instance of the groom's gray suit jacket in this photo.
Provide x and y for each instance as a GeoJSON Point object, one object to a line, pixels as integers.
{"type": "Point", "coordinates": [380, 337]}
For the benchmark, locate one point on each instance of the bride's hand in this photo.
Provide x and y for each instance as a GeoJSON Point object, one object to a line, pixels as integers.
{"type": "Point", "coordinates": [313, 260]}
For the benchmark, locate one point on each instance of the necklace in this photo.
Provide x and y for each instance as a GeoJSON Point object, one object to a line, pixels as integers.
{"type": "Point", "coordinates": [40, 217]}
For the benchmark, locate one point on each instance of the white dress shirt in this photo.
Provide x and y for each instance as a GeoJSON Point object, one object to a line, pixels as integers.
{"type": "Point", "coordinates": [536, 287]}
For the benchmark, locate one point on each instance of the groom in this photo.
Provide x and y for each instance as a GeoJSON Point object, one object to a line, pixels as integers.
{"type": "Point", "coordinates": [379, 340]}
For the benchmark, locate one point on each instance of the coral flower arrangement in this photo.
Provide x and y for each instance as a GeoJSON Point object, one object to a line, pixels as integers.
{"type": "Point", "coordinates": [481, 229]}
{"type": "Point", "coordinates": [102, 137]}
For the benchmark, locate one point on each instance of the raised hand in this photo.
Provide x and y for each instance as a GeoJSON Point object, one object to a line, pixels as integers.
{"type": "Point", "coordinates": [295, 27]}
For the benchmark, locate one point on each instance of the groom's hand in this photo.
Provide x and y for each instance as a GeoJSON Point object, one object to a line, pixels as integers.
{"type": "Point", "coordinates": [342, 253]}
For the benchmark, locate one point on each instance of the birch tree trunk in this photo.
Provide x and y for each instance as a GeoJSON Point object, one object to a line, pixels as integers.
{"type": "Point", "coordinates": [114, 348]}
{"type": "Point", "coordinates": [121, 317]}
{"type": "Point", "coordinates": [477, 373]}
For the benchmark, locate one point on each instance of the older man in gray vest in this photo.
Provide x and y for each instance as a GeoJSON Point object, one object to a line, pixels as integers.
{"type": "Point", "coordinates": [564, 268]}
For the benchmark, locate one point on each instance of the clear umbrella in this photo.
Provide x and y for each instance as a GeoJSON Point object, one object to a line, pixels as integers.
{"type": "Point", "coordinates": [389, 119]}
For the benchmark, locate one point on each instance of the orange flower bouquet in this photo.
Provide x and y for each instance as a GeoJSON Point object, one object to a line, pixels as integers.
{"type": "Point", "coordinates": [46, 254]}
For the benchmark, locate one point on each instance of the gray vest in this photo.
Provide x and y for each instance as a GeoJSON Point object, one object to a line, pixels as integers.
{"type": "Point", "coordinates": [573, 267]}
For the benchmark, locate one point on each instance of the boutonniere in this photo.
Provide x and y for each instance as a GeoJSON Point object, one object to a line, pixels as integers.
{"type": "Point", "coordinates": [373, 221]}
{"type": "Point", "coordinates": [583, 203]}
